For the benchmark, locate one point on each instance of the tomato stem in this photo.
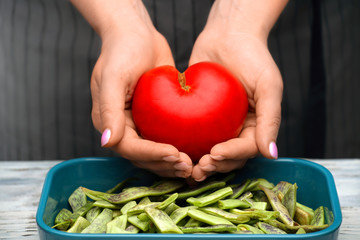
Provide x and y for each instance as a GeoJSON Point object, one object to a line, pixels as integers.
{"type": "Point", "coordinates": [182, 81]}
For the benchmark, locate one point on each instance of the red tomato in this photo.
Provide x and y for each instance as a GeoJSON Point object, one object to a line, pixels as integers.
{"type": "Point", "coordinates": [193, 110]}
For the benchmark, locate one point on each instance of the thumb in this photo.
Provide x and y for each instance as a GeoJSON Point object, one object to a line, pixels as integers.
{"type": "Point", "coordinates": [268, 98]}
{"type": "Point", "coordinates": [112, 110]}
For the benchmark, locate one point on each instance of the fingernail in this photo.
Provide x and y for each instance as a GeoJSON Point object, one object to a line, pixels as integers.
{"type": "Point", "coordinates": [181, 166]}
{"type": "Point", "coordinates": [208, 168]}
{"type": "Point", "coordinates": [217, 157]}
{"type": "Point", "coordinates": [273, 150]}
{"type": "Point", "coordinates": [105, 137]}
{"type": "Point", "coordinates": [171, 158]}
{"type": "Point", "coordinates": [180, 174]}
{"type": "Point", "coordinates": [200, 179]}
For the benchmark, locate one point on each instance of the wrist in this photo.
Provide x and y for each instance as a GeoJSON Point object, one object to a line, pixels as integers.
{"type": "Point", "coordinates": [256, 17]}
{"type": "Point", "coordinates": [109, 15]}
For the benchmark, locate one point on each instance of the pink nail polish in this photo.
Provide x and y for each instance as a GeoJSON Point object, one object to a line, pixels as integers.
{"type": "Point", "coordinates": [201, 179]}
{"type": "Point", "coordinates": [273, 150]}
{"type": "Point", "coordinates": [182, 166]}
{"type": "Point", "coordinates": [171, 159]}
{"type": "Point", "coordinates": [217, 157]}
{"type": "Point", "coordinates": [105, 137]}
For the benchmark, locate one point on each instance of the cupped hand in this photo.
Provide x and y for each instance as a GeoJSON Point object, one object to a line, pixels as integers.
{"type": "Point", "coordinates": [246, 55]}
{"type": "Point", "coordinates": [129, 48]}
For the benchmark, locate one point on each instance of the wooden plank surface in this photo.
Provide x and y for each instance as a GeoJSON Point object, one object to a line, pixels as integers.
{"type": "Point", "coordinates": [21, 184]}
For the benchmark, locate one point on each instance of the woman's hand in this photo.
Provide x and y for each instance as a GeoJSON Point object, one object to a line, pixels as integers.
{"type": "Point", "coordinates": [130, 46]}
{"type": "Point", "coordinates": [235, 36]}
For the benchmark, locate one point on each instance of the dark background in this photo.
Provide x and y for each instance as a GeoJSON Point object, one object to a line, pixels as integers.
{"type": "Point", "coordinates": [47, 52]}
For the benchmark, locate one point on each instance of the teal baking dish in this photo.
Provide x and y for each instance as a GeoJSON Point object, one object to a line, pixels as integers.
{"type": "Point", "coordinates": [316, 187]}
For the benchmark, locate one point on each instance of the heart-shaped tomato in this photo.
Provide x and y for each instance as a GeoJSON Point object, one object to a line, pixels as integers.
{"type": "Point", "coordinates": [193, 110]}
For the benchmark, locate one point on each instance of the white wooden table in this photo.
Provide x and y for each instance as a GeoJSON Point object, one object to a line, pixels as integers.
{"type": "Point", "coordinates": [21, 184]}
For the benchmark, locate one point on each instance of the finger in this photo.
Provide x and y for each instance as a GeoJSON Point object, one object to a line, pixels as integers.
{"type": "Point", "coordinates": [243, 147]}
{"type": "Point", "coordinates": [94, 88]}
{"type": "Point", "coordinates": [181, 168]}
{"type": "Point", "coordinates": [203, 169]}
{"type": "Point", "coordinates": [268, 96]}
{"type": "Point", "coordinates": [112, 94]}
{"type": "Point", "coordinates": [135, 148]}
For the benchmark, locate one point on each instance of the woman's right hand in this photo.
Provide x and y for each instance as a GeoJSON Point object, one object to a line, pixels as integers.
{"type": "Point", "coordinates": [130, 46]}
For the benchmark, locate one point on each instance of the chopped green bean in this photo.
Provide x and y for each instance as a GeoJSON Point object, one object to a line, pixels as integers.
{"type": "Point", "coordinates": [162, 221]}
{"type": "Point", "coordinates": [77, 199]}
{"type": "Point", "coordinates": [201, 189]}
{"type": "Point", "coordinates": [237, 191]}
{"type": "Point", "coordinates": [207, 218]}
{"type": "Point", "coordinates": [211, 198]}
{"type": "Point", "coordinates": [319, 217]}
{"type": "Point", "coordinates": [232, 203]}
{"type": "Point", "coordinates": [277, 205]}
{"type": "Point", "coordinates": [79, 225]}
{"type": "Point", "coordinates": [93, 213]}
{"type": "Point", "coordinates": [269, 229]}
{"type": "Point", "coordinates": [215, 228]}
{"type": "Point", "coordinates": [98, 225]}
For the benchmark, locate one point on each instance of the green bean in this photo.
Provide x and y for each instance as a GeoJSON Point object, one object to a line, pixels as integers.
{"type": "Point", "coordinates": [269, 229]}
{"type": "Point", "coordinates": [246, 195]}
{"type": "Point", "coordinates": [179, 214]}
{"type": "Point", "coordinates": [120, 185]}
{"type": "Point", "coordinates": [248, 227]}
{"type": "Point", "coordinates": [132, 229]}
{"type": "Point", "coordinates": [243, 232]}
{"type": "Point", "coordinates": [140, 192]}
{"type": "Point", "coordinates": [172, 207]}
{"type": "Point", "coordinates": [303, 214]}
{"type": "Point", "coordinates": [254, 185]}
{"type": "Point", "coordinates": [116, 213]}
{"type": "Point", "coordinates": [77, 199]}
{"type": "Point", "coordinates": [81, 211]}
{"type": "Point", "coordinates": [201, 189]}
{"type": "Point", "coordinates": [207, 218]}
{"type": "Point", "coordinates": [143, 216]}
{"type": "Point", "coordinates": [319, 217]}
{"type": "Point", "coordinates": [98, 225]}
{"type": "Point", "coordinates": [127, 207]}
{"type": "Point", "coordinates": [234, 218]}
{"type": "Point", "coordinates": [143, 225]}
{"type": "Point", "coordinates": [61, 219]}
{"type": "Point", "coordinates": [211, 198]}
{"type": "Point", "coordinates": [140, 208]}
{"type": "Point", "coordinates": [258, 214]}
{"type": "Point", "coordinates": [193, 223]}
{"type": "Point", "coordinates": [105, 204]}
{"type": "Point", "coordinates": [118, 222]}
{"type": "Point", "coordinates": [215, 228]}
{"type": "Point", "coordinates": [232, 203]}
{"type": "Point", "coordinates": [293, 229]}
{"type": "Point", "coordinates": [162, 221]}
{"type": "Point", "coordinates": [79, 225]}
{"type": "Point", "coordinates": [277, 206]}
{"type": "Point", "coordinates": [260, 205]}
{"type": "Point", "coordinates": [289, 200]}
{"type": "Point", "coordinates": [168, 201]}
{"type": "Point", "coordinates": [93, 213]}
{"type": "Point", "coordinates": [237, 191]}
{"type": "Point", "coordinates": [300, 231]}
{"type": "Point", "coordinates": [281, 188]}
{"type": "Point", "coordinates": [329, 216]}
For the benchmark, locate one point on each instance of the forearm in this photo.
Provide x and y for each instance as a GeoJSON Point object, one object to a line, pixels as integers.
{"type": "Point", "coordinates": [253, 16]}
{"type": "Point", "coordinates": [103, 15]}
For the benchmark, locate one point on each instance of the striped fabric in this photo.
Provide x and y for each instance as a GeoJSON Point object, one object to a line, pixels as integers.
{"type": "Point", "coordinates": [47, 52]}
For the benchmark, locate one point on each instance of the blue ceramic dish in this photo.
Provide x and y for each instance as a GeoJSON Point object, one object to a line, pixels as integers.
{"type": "Point", "coordinates": [316, 188]}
